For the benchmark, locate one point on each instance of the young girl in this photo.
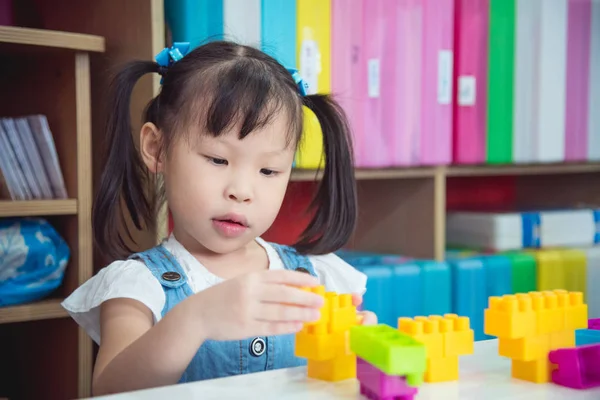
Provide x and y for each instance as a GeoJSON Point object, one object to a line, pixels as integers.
{"type": "Point", "coordinates": [213, 299]}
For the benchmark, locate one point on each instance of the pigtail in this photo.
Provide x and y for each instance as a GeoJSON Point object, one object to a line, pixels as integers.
{"type": "Point", "coordinates": [335, 203]}
{"type": "Point", "coordinates": [124, 179]}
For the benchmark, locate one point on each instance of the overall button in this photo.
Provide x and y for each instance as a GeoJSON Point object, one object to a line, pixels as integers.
{"type": "Point", "coordinates": [171, 276]}
{"type": "Point", "coordinates": [258, 347]}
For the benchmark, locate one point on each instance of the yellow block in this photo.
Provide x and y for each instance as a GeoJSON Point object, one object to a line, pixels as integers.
{"type": "Point", "coordinates": [336, 369]}
{"type": "Point", "coordinates": [550, 269]}
{"type": "Point", "coordinates": [536, 371]}
{"type": "Point", "coordinates": [314, 43]}
{"type": "Point", "coordinates": [445, 338]}
{"type": "Point", "coordinates": [574, 264]}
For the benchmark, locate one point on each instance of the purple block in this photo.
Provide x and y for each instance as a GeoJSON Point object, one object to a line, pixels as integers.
{"type": "Point", "coordinates": [578, 368]}
{"type": "Point", "coordinates": [594, 324]}
{"type": "Point", "coordinates": [377, 385]}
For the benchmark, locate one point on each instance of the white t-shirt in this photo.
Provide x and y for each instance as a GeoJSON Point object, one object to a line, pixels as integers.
{"type": "Point", "coordinates": [132, 279]}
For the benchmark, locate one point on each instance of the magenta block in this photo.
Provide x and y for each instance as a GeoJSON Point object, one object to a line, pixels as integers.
{"type": "Point", "coordinates": [594, 324]}
{"type": "Point", "coordinates": [577, 368]}
{"type": "Point", "coordinates": [377, 385]}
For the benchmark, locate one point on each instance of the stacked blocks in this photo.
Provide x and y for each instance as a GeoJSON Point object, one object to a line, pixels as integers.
{"type": "Point", "coordinates": [445, 338]}
{"type": "Point", "coordinates": [390, 364]}
{"type": "Point", "coordinates": [530, 325]}
{"type": "Point", "coordinates": [326, 343]}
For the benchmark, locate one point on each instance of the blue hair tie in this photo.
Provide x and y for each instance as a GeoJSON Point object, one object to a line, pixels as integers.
{"type": "Point", "coordinates": [170, 55]}
{"type": "Point", "coordinates": [302, 86]}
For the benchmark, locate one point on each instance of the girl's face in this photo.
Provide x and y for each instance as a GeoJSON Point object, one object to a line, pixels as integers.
{"type": "Point", "coordinates": [224, 192]}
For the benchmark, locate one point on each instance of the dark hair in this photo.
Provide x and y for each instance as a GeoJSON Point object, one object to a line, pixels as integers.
{"type": "Point", "coordinates": [214, 86]}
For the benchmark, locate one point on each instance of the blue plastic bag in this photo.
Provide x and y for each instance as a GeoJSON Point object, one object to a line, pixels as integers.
{"type": "Point", "coordinates": [33, 259]}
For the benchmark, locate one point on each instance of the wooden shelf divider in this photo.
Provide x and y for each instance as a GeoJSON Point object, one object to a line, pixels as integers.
{"type": "Point", "coordinates": [46, 309]}
{"type": "Point", "coordinates": [37, 208]}
{"type": "Point", "coordinates": [50, 38]}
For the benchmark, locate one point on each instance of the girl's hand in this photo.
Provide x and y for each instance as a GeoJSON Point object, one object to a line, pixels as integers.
{"type": "Point", "coordinates": [368, 317]}
{"type": "Point", "coordinates": [257, 304]}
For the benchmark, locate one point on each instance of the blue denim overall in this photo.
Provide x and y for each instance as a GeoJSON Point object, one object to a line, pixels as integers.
{"type": "Point", "coordinates": [216, 359]}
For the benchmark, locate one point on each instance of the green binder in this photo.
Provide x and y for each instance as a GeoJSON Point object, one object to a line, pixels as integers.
{"type": "Point", "coordinates": [501, 54]}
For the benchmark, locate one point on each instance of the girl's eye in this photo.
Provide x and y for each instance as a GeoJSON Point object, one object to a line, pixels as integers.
{"type": "Point", "coordinates": [268, 172]}
{"type": "Point", "coordinates": [217, 161]}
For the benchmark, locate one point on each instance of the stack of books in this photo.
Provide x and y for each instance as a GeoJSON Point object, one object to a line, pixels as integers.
{"type": "Point", "coordinates": [29, 164]}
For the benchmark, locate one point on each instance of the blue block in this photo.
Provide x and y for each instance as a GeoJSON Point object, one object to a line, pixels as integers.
{"type": "Point", "coordinates": [379, 295]}
{"type": "Point", "coordinates": [278, 31]}
{"type": "Point", "coordinates": [407, 291]}
{"type": "Point", "coordinates": [498, 271]}
{"type": "Point", "coordinates": [584, 337]}
{"type": "Point", "coordinates": [194, 21]}
{"type": "Point", "coordinates": [437, 287]}
{"type": "Point", "coordinates": [469, 292]}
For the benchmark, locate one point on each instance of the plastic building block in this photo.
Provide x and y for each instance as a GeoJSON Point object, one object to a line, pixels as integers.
{"type": "Point", "coordinates": [470, 292]}
{"type": "Point", "coordinates": [530, 325]}
{"type": "Point", "coordinates": [390, 351]}
{"type": "Point", "coordinates": [339, 368]}
{"type": "Point", "coordinates": [577, 368]}
{"type": "Point", "coordinates": [585, 337]}
{"type": "Point", "coordinates": [377, 385]}
{"type": "Point", "coordinates": [326, 343]}
{"type": "Point", "coordinates": [594, 324]}
{"type": "Point", "coordinates": [535, 313]}
{"type": "Point", "coordinates": [445, 339]}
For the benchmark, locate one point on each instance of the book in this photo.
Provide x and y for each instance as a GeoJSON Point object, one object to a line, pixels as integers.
{"type": "Point", "coordinates": [47, 149]}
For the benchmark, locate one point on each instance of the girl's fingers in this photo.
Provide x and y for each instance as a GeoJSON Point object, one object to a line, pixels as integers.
{"type": "Point", "coordinates": [292, 278]}
{"type": "Point", "coordinates": [271, 312]}
{"type": "Point", "coordinates": [278, 328]}
{"type": "Point", "coordinates": [357, 299]}
{"type": "Point", "coordinates": [274, 293]}
{"type": "Point", "coordinates": [368, 318]}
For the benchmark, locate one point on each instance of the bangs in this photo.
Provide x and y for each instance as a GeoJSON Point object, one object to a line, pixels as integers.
{"type": "Point", "coordinates": [242, 93]}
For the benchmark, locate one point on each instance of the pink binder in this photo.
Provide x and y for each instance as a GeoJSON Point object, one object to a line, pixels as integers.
{"type": "Point", "coordinates": [403, 110]}
{"type": "Point", "coordinates": [578, 75]}
{"type": "Point", "coordinates": [436, 81]}
{"type": "Point", "coordinates": [470, 80]}
{"type": "Point", "coordinates": [348, 66]}
{"type": "Point", "coordinates": [379, 43]}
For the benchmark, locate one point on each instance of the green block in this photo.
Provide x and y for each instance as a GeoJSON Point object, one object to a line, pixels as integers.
{"type": "Point", "coordinates": [390, 350]}
{"type": "Point", "coordinates": [524, 272]}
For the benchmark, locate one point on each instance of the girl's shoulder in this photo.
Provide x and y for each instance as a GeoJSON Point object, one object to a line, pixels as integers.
{"type": "Point", "coordinates": [121, 279]}
{"type": "Point", "coordinates": [333, 272]}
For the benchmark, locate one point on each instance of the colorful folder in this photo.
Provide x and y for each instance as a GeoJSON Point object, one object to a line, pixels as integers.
{"type": "Point", "coordinates": [436, 82]}
{"type": "Point", "coordinates": [470, 76]}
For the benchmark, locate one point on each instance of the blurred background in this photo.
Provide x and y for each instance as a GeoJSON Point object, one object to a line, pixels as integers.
{"type": "Point", "coordinates": [477, 150]}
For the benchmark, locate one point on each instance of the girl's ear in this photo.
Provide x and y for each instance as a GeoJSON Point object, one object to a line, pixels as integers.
{"type": "Point", "coordinates": [151, 147]}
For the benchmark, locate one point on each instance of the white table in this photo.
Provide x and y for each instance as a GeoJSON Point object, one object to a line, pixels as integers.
{"type": "Point", "coordinates": [483, 375]}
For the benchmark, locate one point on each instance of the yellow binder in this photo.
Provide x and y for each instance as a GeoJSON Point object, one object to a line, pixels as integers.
{"type": "Point", "coordinates": [314, 65]}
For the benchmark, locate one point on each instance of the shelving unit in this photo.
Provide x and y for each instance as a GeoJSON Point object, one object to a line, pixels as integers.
{"type": "Point", "coordinates": [403, 210]}
{"type": "Point", "coordinates": [50, 71]}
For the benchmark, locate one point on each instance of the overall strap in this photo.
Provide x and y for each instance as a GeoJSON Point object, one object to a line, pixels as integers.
{"type": "Point", "coordinates": [293, 260]}
{"type": "Point", "coordinates": [163, 265]}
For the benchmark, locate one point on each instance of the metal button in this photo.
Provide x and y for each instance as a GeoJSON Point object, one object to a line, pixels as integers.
{"type": "Point", "coordinates": [258, 347]}
{"type": "Point", "coordinates": [171, 276]}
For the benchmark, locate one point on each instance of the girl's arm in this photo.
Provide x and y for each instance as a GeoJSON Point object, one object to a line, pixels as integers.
{"type": "Point", "coordinates": [134, 354]}
{"type": "Point", "coordinates": [137, 354]}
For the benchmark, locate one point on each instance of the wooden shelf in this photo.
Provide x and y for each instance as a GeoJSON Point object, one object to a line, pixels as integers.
{"type": "Point", "coordinates": [49, 38]}
{"type": "Point", "coordinates": [47, 309]}
{"type": "Point", "coordinates": [299, 175]}
{"type": "Point", "coordinates": [460, 170]}
{"type": "Point", "coordinates": [10, 208]}
{"type": "Point", "coordinates": [523, 169]}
